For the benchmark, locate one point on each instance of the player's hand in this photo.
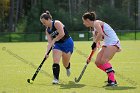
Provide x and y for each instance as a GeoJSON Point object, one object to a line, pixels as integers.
{"type": "Point", "coordinates": [93, 46]}
{"type": "Point", "coordinates": [46, 56]}
{"type": "Point", "coordinates": [88, 60]}
{"type": "Point", "coordinates": [52, 43]}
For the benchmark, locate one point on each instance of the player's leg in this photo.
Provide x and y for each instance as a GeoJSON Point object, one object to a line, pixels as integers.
{"type": "Point", "coordinates": [67, 52]}
{"type": "Point", "coordinates": [66, 61]}
{"type": "Point", "coordinates": [56, 68]}
{"type": "Point", "coordinates": [108, 54]}
{"type": "Point", "coordinates": [98, 59]}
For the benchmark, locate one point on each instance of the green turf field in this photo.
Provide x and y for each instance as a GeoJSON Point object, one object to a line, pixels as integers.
{"type": "Point", "coordinates": [18, 62]}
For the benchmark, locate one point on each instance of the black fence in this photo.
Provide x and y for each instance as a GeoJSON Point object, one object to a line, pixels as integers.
{"type": "Point", "coordinates": [76, 35]}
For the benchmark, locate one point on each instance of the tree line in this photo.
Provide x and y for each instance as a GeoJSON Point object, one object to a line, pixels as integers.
{"type": "Point", "coordinates": [23, 15]}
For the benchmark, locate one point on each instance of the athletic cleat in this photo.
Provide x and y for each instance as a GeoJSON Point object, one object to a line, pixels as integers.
{"type": "Point", "coordinates": [55, 81]}
{"type": "Point", "coordinates": [68, 72]}
{"type": "Point", "coordinates": [112, 83]}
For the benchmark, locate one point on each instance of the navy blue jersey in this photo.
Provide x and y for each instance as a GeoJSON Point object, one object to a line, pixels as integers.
{"type": "Point", "coordinates": [53, 33]}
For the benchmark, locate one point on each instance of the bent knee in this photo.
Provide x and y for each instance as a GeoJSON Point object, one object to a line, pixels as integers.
{"type": "Point", "coordinates": [104, 60]}
{"type": "Point", "coordinates": [100, 62]}
{"type": "Point", "coordinates": [97, 62]}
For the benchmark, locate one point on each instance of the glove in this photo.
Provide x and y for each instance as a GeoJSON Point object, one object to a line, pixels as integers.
{"type": "Point", "coordinates": [93, 46]}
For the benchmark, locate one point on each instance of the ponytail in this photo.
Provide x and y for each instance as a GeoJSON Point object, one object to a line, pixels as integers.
{"type": "Point", "coordinates": [89, 15]}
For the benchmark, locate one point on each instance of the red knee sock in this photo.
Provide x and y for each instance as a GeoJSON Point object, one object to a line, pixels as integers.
{"type": "Point", "coordinates": [101, 67]}
{"type": "Point", "coordinates": [108, 69]}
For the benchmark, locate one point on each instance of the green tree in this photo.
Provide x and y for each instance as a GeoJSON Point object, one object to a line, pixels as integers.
{"type": "Point", "coordinates": [116, 18]}
{"type": "Point", "coordinates": [139, 13]}
{"type": "Point", "coordinates": [4, 10]}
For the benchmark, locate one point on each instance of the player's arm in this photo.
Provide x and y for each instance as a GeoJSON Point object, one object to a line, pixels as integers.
{"type": "Point", "coordinates": [49, 42]}
{"type": "Point", "coordinates": [94, 34]}
{"type": "Point", "coordinates": [99, 30]}
{"type": "Point", "coordinates": [99, 34]}
{"type": "Point", "coordinates": [48, 37]}
{"type": "Point", "coordinates": [59, 26]}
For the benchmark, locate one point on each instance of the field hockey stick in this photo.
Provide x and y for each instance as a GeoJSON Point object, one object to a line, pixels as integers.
{"type": "Point", "coordinates": [38, 69]}
{"type": "Point", "coordinates": [87, 62]}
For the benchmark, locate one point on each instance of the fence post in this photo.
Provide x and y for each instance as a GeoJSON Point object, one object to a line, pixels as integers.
{"type": "Point", "coordinates": [24, 36]}
{"type": "Point", "coordinates": [40, 38]}
{"type": "Point", "coordinates": [10, 37]}
{"type": "Point", "coordinates": [88, 35]}
{"type": "Point", "coordinates": [120, 35]}
{"type": "Point", "coordinates": [135, 34]}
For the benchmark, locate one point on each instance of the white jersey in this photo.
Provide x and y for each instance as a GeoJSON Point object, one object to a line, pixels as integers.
{"type": "Point", "coordinates": [110, 37]}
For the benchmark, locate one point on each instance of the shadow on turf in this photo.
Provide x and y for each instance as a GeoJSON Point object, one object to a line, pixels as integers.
{"type": "Point", "coordinates": [70, 85]}
{"type": "Point", "coordinates": [119, 88]}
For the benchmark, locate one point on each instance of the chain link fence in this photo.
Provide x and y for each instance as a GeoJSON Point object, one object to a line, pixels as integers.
{"type": "Point", "coordinates": [76, 35]}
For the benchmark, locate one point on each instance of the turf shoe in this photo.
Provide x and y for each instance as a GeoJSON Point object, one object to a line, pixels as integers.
{"type": "Point", "coordinates": [111, 83]}
{"type": "Point", "coordinates": [55, 81]}
{"type": "Point", "coordinates": [68, 72]}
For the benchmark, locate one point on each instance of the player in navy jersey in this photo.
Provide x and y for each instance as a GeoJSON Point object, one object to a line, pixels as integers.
{"type": "Point", "coordinates": [62, 43]}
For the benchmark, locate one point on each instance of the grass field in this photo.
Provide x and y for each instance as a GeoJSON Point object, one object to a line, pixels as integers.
{"type": "Point", "coordinates": [18, 62]}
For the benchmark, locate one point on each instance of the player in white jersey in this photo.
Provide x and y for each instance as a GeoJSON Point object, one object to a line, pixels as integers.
{"type": "Point", "coordinates": [111, 44]}
{"type": "Point", "coordinates": [110, 37]}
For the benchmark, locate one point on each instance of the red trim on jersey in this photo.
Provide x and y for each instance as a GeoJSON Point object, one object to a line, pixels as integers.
{"type": "Point", "coordinates": [103, 30]}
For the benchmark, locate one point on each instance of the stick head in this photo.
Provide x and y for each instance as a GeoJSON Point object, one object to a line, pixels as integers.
{"type": "Point", "coordinates": [76, 80]}
{"type": "Point", "coordinates": [30, 81]}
